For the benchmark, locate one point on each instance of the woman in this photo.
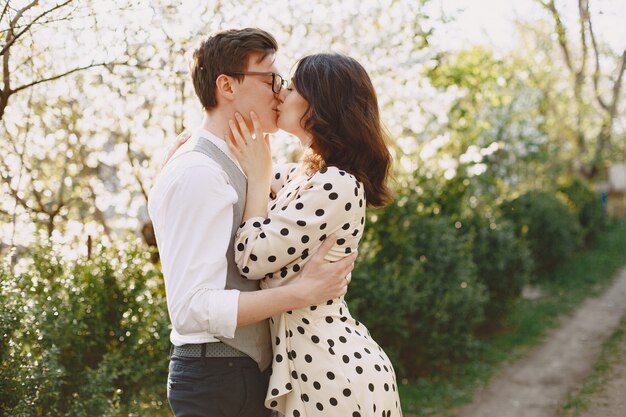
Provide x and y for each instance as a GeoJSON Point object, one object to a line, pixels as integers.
{"type": "Point", "coordinates": [325, 362]}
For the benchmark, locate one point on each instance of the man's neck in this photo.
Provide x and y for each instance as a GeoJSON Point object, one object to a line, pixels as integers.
{"type": "Point", "coordinates": [216, 123]}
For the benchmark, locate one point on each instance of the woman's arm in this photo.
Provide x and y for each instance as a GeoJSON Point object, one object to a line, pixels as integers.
{"type": "Point", "coordinates": [331, 201]}
{"type": "Point", "coordinates": [255, 157]}
{"type": "Point", "coordinates": [318, 282]}
{"type": "Point", "coordinates": [327, 203]}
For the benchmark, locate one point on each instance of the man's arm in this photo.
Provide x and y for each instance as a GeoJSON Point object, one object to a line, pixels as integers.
{"type": "Point", "coordinates": [319, 282]}
{"type": "Point", "coordinates": [201, 238]}
{"type": "Point", "coordinates": [193, 219]}
{"type": "Point", "coordinates": [209, 308]}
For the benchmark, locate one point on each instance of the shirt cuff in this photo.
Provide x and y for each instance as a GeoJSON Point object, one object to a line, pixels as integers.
{"type": "Point", "coordinates": [223, 312]}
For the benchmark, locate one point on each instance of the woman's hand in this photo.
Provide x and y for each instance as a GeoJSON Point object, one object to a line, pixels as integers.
{"type": "Point", "coordinates": [180, 140]}
{"type": "Point", "coordinates": [255, 157]}
{"type": "Point", "coordinates": [251, 150]}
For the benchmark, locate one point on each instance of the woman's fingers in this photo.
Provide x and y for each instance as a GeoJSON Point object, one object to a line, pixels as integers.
{"type": "Point", "coordinates": [231, 142]}
{"type": "Point", "coordinates": [243, 127]}
{"type": "Point", "coordinates": [180, 141]}
{"type": "Point", "coordinates": [266, 138]}
{"type": "Point", "coordinates": [242, 138]}
{"type": "Point", "coordinates": [182, 138]}
{"type": "Point", "coordinates": [256, 124]}
{"type": "Point", "coordinates": [326, 246]}
{"type": "Point", "coordinates": [239, 141]}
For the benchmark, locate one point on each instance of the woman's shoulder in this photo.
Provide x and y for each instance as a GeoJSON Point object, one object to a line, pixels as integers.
{"type": "Point", "coordinates": [282, 171]}
{"type": "Point", "coordinates": [334, 173]}
{"type": "Point", "coordinates": [336, 179]}
{"type": "Point", "coordinates": [282, 175]}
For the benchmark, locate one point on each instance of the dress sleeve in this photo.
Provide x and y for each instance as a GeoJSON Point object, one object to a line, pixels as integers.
{"type": "Point", "coordinates": [330, 202]}
{"type": "Point", "coordinates": [281, 175]}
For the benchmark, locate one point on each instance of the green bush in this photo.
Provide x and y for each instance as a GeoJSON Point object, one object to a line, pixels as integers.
{"type": "Point", "coordinates": [503, 262]}
{"type": "Point", "coordinates": [415, 288]}
{"type": "Point", "coordinates": [548, 226]}
{"type": "Point", "coordinates": [587, 206]}
{"type": "Point", "coordinates": [83, 338]}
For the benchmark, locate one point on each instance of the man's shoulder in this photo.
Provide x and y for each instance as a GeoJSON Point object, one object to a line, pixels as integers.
{"type": "Point", "coordinates": [191, 161]}
{"type": "Point", "coordinates": [190, 168]}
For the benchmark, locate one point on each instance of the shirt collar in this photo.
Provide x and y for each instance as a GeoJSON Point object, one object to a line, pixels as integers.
{"type": "Point", "coordinates": [204, 134]}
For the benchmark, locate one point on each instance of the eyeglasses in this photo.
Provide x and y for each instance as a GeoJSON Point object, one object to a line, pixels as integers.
{"type": "Point", "coordinates": [278, 82]}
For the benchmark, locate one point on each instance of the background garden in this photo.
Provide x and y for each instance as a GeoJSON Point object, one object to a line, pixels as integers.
{"type": "Point", "coordinates": [501, 154]}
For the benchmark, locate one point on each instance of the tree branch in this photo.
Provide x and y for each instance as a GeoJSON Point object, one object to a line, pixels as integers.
{"type": "Point", "coordinates": [61, 195]}
{"type": "Point", "coordinates": [135, 170]}
{"type": "Point", "coordinates": [583, 12]}
{"type": "Point", "coordinates": [14, 36]}
{"type": "Point", "coordinates": [4, 10]}
{"type": "Point", "coordinates": [560, 31]}
{"type": "Point", "coordinates": [39, 200]}
{"type": "Point", "coordinates": [13, 192]}
{"type": "Point", "coordinates": [596, 72]}
{"type": "Point", "coordinates": [11, 37]}
{"type": "Point", "coordinates": [98, 214]}
{"type": "Point", "coordinates": [604, 137]}
{"type": "Point", "coordinates": [617, 87]}
{"type": "Point", "coordinates": [53, 20]}
{"type": "Point", "coordinates": [56, 77]}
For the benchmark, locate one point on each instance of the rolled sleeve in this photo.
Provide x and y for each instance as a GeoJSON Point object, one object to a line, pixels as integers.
{"type": "Point", "coordinates": [197, 221]}
{"type": "Point", "coordinates": [223, 312]}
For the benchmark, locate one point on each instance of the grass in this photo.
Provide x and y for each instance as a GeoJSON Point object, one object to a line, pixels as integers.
{"type": "Point", "coordinates": [587, 274]}
{"type": "Point", "coordinates": [613, 352]}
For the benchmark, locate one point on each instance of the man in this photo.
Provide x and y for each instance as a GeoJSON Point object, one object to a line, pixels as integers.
{"type": "Point", "coordinates": [221, 348]}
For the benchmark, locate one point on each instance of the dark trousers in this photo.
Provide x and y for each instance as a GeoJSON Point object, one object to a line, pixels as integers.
{"type": "Point", "coordinates": [216, 387]}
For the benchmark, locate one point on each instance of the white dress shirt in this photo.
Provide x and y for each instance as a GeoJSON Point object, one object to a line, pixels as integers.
{"type": "Point", "coordinates": [191, 207]}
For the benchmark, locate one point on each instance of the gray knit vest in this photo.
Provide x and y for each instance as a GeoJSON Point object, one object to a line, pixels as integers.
{"type": "Point", "coordinates": [254, 339]}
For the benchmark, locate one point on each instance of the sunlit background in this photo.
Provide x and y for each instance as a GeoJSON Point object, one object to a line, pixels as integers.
{"type": "Point", "coordinates": [80, 153]}
{"type": "Point", "coordinates": [507, 125]}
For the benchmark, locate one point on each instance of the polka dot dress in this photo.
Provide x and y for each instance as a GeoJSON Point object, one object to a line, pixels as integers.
{"type": "Point", "coordinates": [325, 361]}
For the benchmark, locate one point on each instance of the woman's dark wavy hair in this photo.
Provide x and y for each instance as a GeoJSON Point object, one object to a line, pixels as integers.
{"type": "Point", "coordinates": [344, 121]}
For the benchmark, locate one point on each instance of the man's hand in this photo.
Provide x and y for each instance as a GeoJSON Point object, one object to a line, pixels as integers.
{"type": "Point", "coordinates": [321, 281]}
{"type": "Point", "coordinates": [318, 282]}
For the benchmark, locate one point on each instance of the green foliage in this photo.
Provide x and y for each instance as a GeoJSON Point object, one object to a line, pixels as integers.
{"type": "Point", "coordinates": [548, 226]}
{"type": "Point", "coordinates": [495, 119]}
{"type": "Point", "coordinates": [587, 206]}
{"type": "Point", "coordinates": [589, 273]}
{"type": "Point", "coordinates": [503, 261]}
{"type": "Point", "coordinates": [83, 338]}
{"type": "Point", "coordinates": [415, 288]}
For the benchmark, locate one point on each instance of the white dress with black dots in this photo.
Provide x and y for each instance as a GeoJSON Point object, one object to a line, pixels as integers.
{"type": "Point", "coordinates": [325, 362]}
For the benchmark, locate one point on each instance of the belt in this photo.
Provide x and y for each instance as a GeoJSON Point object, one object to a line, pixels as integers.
{"type": "Point", "coordinates": [208, 350]}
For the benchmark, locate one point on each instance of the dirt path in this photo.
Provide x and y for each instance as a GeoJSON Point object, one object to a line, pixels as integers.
{"type": "Point", "coordinates": [610, 401]}
{"type": "Point", "coordinates": [536, 385]}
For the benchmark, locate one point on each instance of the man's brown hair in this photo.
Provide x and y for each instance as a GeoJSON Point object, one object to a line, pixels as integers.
{"type": "Point", "coordinates": [226, 52]}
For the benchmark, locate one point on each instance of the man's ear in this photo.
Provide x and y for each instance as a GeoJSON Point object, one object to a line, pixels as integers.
{"type": "Point", "coordinates": [225, 87]}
